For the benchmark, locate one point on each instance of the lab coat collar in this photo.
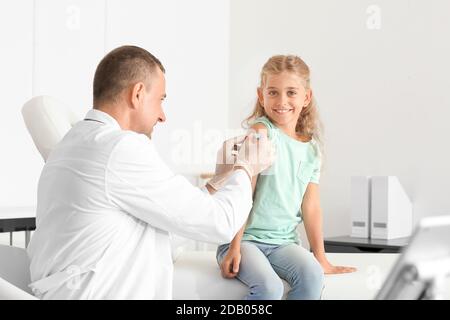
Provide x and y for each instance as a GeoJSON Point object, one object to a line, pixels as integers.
{"type": "Point", "coordinates": [101, 116]}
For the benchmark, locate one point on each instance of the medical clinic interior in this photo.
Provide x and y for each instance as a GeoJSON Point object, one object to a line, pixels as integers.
{"type": "Point", "coordinates": [225, 150]}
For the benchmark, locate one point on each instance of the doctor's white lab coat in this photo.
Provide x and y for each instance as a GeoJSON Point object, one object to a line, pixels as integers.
{"type": "Point", "coordinates": [106, 204]}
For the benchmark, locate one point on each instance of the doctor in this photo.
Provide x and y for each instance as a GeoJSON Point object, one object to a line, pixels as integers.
{"type": "Point", "coordinates": [107, 202]}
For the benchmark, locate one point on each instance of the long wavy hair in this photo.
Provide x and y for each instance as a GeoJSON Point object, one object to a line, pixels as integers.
{"type": "Point", "coordinates": [308, 123]}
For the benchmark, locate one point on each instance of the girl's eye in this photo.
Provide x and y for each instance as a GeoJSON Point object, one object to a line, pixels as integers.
{"type": "Point", "coordinates": [291, 93]}
{"type": "Point", "coordinates": [272, 93]}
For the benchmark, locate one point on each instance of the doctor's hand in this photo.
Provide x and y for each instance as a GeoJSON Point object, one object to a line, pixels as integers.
{"type": "Point", "coordinates": [252, 153]}
{"type": "Point", "coordinates": [230, 264]}
{"type": "Point", "coordinates": [226, 157]}
{"type": "Point", "coordinates": [256, 154]}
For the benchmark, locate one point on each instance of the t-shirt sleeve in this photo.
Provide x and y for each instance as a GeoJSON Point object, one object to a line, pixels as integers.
{"type": "Point", "coordinates": [315, 177]}
{"type": "Point", "coordinates": [267, 123]}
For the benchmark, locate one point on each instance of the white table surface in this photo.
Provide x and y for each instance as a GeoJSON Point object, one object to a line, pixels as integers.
{"type": "Point", "coordinates": [197, 276]}
{"type": "Point", "coordinates": [17, 212]}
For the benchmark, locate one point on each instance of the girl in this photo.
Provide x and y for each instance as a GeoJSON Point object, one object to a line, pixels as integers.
{"type": "Point", "coordinates": [267, 247]}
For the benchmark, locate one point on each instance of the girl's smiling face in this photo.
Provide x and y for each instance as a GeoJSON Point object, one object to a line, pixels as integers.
{"type": "Point", "coordinates": [283, 96]}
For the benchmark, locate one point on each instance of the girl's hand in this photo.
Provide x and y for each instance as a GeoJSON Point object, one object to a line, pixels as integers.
{"type": "Point", "coordinates": [328, 268]}
{"type": "Point", "coordinates": [230, 264]}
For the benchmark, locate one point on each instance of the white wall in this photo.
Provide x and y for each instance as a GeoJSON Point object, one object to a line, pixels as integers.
{"type": "Point", "coordinates": [382, 93]}
{"type": "Point", "coordinates": [52, 47]}
{"type": "Point", "coordinates": [191, 39]}
{"type": "Point", "coordinates": [20, 163]}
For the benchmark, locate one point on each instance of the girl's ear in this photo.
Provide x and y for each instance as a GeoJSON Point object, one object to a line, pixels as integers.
{"type": "Point", "coordinates": [260, 96]}
{"type": "Point", "coordinates": [308, 97]}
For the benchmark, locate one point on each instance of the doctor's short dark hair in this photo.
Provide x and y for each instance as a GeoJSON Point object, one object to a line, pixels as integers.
{"type": "Point", "coordinates": [121, 68]}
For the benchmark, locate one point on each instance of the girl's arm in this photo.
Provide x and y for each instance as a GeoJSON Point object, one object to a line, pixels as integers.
{"type": "Point", "coordinates": [236, 242]}
{"type": "Point", "coordinates": [312, 218]}
{"type": "Point", "coordinates": [230, 264]}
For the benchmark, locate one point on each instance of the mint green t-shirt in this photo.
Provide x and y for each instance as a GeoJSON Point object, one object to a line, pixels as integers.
{"type": "Point", "coordinates": [276, 210]}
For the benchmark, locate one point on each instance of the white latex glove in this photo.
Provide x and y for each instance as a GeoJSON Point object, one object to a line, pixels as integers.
{"type": "Point", "coordinates": [252, 152]}
{"type": "Point", "coordinates": [256, 154]}
{"type": "Point", "coordinates": [226, 157]}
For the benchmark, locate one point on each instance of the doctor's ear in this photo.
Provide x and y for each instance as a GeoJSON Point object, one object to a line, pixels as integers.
{"type": "Point", "coordinates": [137, 94]}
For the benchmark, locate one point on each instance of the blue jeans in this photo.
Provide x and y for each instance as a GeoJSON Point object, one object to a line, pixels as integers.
{"type": "Point", "coordinates": [264, 265]}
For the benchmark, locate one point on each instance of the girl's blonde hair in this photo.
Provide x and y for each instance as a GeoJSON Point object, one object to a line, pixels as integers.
{"type": "Point", "coordinates": [308, 123]}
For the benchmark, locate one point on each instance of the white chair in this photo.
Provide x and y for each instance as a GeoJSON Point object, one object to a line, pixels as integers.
{"type": "Point", "coordinates": [47, 121]}
{"type": "Point", "coordinates": [14, 274]}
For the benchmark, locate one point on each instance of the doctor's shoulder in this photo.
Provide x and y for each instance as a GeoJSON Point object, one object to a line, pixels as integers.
{"type": "Point", "coordinates": [132, 145]}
